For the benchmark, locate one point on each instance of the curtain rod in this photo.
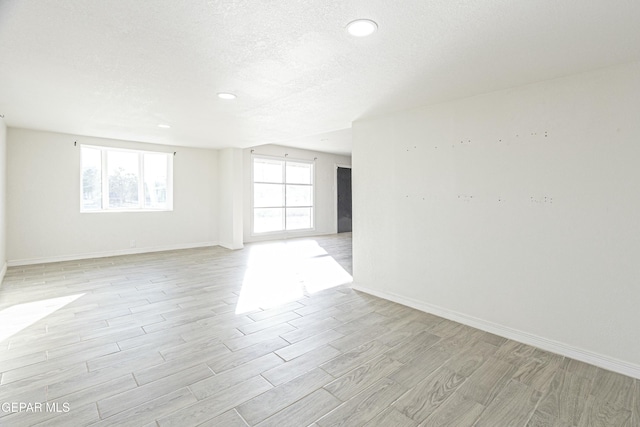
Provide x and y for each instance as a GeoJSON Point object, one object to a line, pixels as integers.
{"type": "Point", "coordinates": [272, 155]}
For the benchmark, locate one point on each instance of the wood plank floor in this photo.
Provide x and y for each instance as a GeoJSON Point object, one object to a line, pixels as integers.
{"type": "Point", "coordinates": [252, 338]}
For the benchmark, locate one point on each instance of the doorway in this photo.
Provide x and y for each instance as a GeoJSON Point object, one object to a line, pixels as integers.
{"type": "Point", "coordinates": [343, 179]}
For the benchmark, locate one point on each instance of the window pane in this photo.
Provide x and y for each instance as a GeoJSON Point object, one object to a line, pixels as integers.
{"type": "Point", "coordinates": [298, 218]}
{"type": "Point", "coordinates": [122, 169]}
{"type": "Point", "coordinates": [91, 178]}
{"type": "Point", "coordinates": [268, 219]}
{"type": "Point", "coordinates": [299, 173]}
{"type": "Point", "coordinates": [299, 195]}
{"type": "Point", "coordinates": [155, 181]}
{"type": "Point", "coordinates": [268, 195]}
{"type": "Point", "coordinates": [265, 170]}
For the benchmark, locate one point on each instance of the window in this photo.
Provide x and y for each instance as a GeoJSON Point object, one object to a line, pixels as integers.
{"type": "Point", "coordinates": [125, 180]}
{"type": "Point", "coordinates": [282, 195]}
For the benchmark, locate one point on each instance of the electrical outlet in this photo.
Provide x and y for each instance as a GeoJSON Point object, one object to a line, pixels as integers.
{"type": "Point", "coordinates": [132, 244]}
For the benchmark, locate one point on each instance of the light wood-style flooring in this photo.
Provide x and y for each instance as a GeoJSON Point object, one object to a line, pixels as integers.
{"type": "Point", "coordinates": [215, 337]}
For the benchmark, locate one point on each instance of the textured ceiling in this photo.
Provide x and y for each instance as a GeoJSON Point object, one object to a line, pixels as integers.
{"type": "Point", "coordinates": [118, 68]}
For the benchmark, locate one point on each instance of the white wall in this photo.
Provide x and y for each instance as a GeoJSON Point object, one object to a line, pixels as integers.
{"type": "Point", "coordinates": [230, 226]}
{"type": "Point", "coordinates": [325, 196]}
{"type": "Point", "coordinates": [516, 211]}
{"type": "Point", "coordinates": [43, 206]}
{"type": "Point", "coordinates": [3, 199]}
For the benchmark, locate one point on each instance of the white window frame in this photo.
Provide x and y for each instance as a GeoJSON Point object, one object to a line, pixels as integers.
{"type": "Point", "coordinates": [104, 181]}
{"type": "Point", "coordinates": [284, 183]}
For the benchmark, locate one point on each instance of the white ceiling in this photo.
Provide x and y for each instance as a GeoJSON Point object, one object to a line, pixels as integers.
{"type": "Point", "coordinates": [118, 68]}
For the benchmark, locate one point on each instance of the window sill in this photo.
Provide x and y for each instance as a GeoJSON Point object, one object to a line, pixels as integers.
{"type": "Point", "coordinates": [125, 210]}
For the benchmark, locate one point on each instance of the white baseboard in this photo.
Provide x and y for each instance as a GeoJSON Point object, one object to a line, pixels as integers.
{"type": "Point", "coordinates": [2, 273]}
{"type": "Point", "coordinates": [230, 246]}
{"type": "Point", "coordinates": [130, 251]}
{"type": "Point", "coordinates": [605, 362]}
{"type": "Point", "coordinates": [286, 236]}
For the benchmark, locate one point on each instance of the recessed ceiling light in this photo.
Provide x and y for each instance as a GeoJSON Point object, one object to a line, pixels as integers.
{"type": "Point", "coordinates": [226, 95]}
{"type": "Point", "coordinates": [361, 27]}
{"type": "Point", "coordinates": [164, 126]}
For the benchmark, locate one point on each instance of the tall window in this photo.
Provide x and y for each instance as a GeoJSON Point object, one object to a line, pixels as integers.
{"type": "Point", "coordinates": [282, 195]}
{"type": "Point", "coordinates": [124, 180]}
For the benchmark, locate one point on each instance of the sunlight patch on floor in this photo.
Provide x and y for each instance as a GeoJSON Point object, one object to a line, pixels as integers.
{"type": "Point", "coordinates": [20, 316]}
{"type": "Point", "coordinates": [282, 272]}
